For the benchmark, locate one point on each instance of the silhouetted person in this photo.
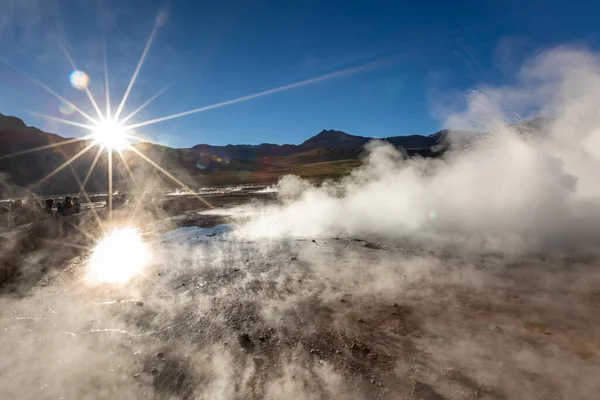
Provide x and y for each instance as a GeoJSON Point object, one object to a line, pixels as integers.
{"type": "Point", "coordinates": [76, 205]}
{"type": "Point", "coordinates": [31, 202]}
{"type": "Point", "coordinates": [17, 213]}
{"type": "Point", "coordinates": [68, 205]}
{"type": "Point", "coordinates": [60, 209]}
{"type": "Point", "coordinates": [49, 206]}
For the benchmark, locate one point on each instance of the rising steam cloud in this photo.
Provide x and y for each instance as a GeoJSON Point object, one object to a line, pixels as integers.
{"type": "Point", "coordinates": [510, 189]}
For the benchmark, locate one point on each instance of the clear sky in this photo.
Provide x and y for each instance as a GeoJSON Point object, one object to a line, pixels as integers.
{"type": "Point", "coordinates": [404, 64]}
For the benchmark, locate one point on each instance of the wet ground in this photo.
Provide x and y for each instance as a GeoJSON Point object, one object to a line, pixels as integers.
{"type": "Point", "coordinates": [218, 315]}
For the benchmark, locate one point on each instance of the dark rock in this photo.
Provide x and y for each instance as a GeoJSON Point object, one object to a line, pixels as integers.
{"type": "Point", "coordinates": [154, 371]}
{"type": "Point", "coordinates": [293, 258]}
{"type": "Point", "coordinates": [258, 361]}
{"type": "Point", "coordinates": [360, 347]}
{"type": "Point", "coordinates": [373, 246]}
{"type": "Point", "coordinates": [342, 301]}
{"type": "Point", "coordinates": [362, 321]}
{"type": "Point", "coordinates": [139, 303]}
{"type": "Point", "coordinates": [160, 354]}
{"type": "Point", "coordinates": [395, 305]}
{"type": "Point", "coordinates": [136, 375]}
{"type": "Point", "coordinates": [245, 341]}
{"type": "Point", "coordinates": [183, 284]}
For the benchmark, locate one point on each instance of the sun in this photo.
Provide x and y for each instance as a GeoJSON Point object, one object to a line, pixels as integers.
{"type": "Point", "coordinates": [118, 257]}
{"type": "Point", "coordinates": [111, 134]}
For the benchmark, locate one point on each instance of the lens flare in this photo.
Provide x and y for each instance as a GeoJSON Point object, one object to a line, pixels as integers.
{"type": "Point", "coordinates": [66, 108]}
{"type": "Point", "coordinates": [111, 135]}
{"type": "Point", "coordinates": [433, 215]}
{"type": "Point", "coordinates": [118, 257]}
{"type": "Point", "coordinates": [79, 80]}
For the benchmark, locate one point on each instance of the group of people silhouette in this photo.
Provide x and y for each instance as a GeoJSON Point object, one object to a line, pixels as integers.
{"type": "Point", "coordinates": [19, 212]}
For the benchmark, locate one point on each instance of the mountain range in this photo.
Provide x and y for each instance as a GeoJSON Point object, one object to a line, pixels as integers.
{"type": "Point", "coordinates": [327, 154]}
{"type": "Point", "coordinates": [330, 153]}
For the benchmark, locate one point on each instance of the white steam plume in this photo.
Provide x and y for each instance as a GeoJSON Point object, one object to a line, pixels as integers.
{"type": "Point", "coordinates": [511, 190]}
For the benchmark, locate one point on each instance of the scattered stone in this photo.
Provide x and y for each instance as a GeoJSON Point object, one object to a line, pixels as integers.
{"type": "Point", "coordinates": [360, 320]}
{"type": "Point", "coordinates": [314, 351]}
{"type": "Point", "coordinates": [211, 234]}
{"type": "Point", "coordinates": [547, 333]}
{"type": "Point", "coordinates": [293, 258]}
{"type": "Point", "coordinates": [160, 354]}
{"type": "Point", "coordinates": [258, 361]}
{"type": "Point", "coordinates": [139, 303]}
{"type": "Point", "coordinates": [395, 305]}
{"type": "Point", "coordinates": [183, 284]}
{"type": "Point", "coordinates": [136, 375]}
{"type": "Point", "coordinates": [159, 274]}
{"type": "Point", "coordinates": [262, 339]}
{"type": "Point", "coordinates": [236, 269]}
{"type": "Point", "coordinates": [372, 246]}
{"type": "Point", "coordinates": [342, 301]}
{"type": "Point", "coordinates": [360, 347]}
{"type": "Point", "coordinates": [154, 371]}
{"type": "Point", "coordinates": [394, 313]}
{"type": "Point", "coordinates": [181, 378]}
{"type": "Point", "coordinates": [245, 341]}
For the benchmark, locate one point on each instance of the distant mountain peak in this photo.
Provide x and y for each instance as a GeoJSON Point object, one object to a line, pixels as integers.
{"type": "Point", "coordinates": [330, 138]}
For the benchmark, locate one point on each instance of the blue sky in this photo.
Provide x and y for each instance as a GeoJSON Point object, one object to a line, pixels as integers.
{"type": "Point", "coordinates": [418, 60]}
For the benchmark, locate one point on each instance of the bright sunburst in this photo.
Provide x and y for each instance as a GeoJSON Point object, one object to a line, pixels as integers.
{"type": "Point", "coordinates": [111, 134]}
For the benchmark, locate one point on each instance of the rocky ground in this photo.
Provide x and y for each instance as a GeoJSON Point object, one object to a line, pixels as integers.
{"type": "Point", "coordinates": [220, 316]}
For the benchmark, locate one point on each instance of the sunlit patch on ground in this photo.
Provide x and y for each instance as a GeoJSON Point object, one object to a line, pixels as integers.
{"type": "Point", "coordinates": [118, 257]}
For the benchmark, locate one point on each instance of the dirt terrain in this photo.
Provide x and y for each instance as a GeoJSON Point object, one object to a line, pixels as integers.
{"type": "Point", "coordinates": [221, 315]}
